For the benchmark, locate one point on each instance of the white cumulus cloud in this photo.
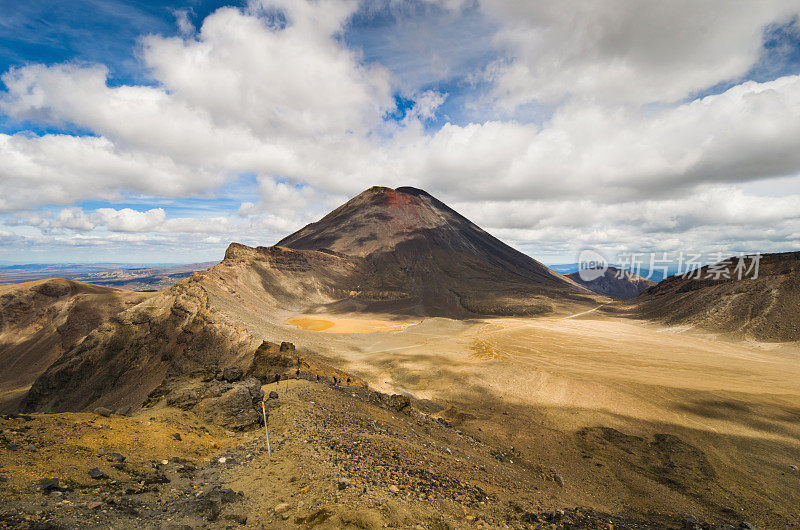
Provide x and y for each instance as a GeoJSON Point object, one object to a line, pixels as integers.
{"type": "Point", "coordinates": [625, 154]}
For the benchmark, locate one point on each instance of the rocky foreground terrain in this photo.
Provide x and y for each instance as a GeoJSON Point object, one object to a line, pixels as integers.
{"type": "Point", "coordinates": [342, 456]}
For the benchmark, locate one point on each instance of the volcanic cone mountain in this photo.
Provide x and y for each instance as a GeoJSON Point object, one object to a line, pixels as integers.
{"type": "Point", "coordinates": [414, 248]}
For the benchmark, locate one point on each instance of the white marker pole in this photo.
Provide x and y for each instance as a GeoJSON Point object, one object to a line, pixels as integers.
{"type": "Point", "coordinates": [266, 429]}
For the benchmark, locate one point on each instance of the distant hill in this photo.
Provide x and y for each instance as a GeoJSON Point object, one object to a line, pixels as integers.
{"type": "Point", "coordinates": [615, 283]}
{"type": "Point", "coordinates": [765, 308]}
{"type": "Point", "coordinates": [655, 275]}
{"type": "Point", "coordinates": [120, 275]}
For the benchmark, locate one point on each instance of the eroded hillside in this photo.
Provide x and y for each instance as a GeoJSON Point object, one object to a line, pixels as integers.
{"type": "Point", "coordinates": [41, 320]}
{"type": "Point", "coordinates": [764, 308]}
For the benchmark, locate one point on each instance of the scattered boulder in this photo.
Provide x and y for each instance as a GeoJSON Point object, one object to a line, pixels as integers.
{"type": "Point", "coordinates": [116, 457]}
{"type": "Point", "coordinates": [396, 402]}
{"type": "Point", "coordinates": [287, 347]}
{"type": "Point", "coordinates": [273, 395]}
{"type": "Point", "coordinates": [394, 489]}
{"type": "Point", "coordinates": [746, 526]}
{"type": "Point", "coordinates": [49, 484]}
{"type": "Point", "coordinates": [269, 359]}
{"type": "Point", "coordinates": [342, 483]}
{"type": "Point", "coordinates": [282, 507]}
{"type": "Point", "coordinates": [232, 374]}
{"type": "Point", "coordinates": [215, 389]}
{"type": "Point", "coordinates": [226, 494]}
{"type": "Point", "coordinates": [103, 411]}
{"type": "Point", "coordinates": [96, 474]}
{"type": "Point", "coordinates": [177, 436]}
{"type": "Point", "coordinates": [207, 508]}
{"type": "Point", "coordinates": [236, 409]}
{"type": "Point", "coordinates": [232, 405]}
{"type": "Point", "coordinates": [125, 411]}
{"type": "Point", "coordinates": [237, 518]}
{"type": "Point", "coordinates": [155, 478]}
{"type": "Point", "coordinates": [208, 503]}
{"type": "Point", "coordinates": [690, 522]}
{"type": "Point", "coordinates": [558, 479]}
{"type": "Point", "coordinates": [184, 400]}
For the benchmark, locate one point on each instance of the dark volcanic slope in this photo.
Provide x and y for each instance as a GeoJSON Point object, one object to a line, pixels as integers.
{"type": "Point", "coordinates": [417, 248]}
{"type": "Point", "coordinates": [41, 320]}
{"type": "Point", "coordinates": [765, 308]}
{"type": "Point", "coordinates": [609, 284]}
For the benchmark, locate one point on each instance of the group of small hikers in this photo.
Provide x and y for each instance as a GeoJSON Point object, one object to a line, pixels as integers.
{"type": "Point", "coordinates": [336, 380]}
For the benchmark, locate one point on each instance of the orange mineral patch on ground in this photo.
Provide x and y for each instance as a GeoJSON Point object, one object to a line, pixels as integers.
{"type": "Point", "coordinates": [311, 324]}
{"type": "Point", "coordinates": [348, 325]}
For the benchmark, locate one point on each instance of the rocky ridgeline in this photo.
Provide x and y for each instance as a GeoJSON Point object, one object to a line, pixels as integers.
{"type": "Point", "coordinates": [231, 397]}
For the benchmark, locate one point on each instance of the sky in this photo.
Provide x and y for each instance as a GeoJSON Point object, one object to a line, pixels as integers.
{"type": "Point", "coordinates": [138, 131]}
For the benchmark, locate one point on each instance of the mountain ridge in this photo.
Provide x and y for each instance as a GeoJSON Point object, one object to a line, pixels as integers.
{"type": "Point", "coordinates": [614, 284]}
{"type": "Point", "coordinates": [762, 308]}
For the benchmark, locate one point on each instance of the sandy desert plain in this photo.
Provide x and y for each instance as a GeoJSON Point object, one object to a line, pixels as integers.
{"type": "Point", "coordinates": [590, 393]}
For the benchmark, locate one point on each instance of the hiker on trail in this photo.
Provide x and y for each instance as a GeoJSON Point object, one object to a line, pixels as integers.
{"type": "Point", "coordinates": [277, 377]}
{"type": "Point", "coordinates": [297, 373]}
{"type": "Point", "coordinates": [348, 381]}
{"type": "Point", "coordinates": [317, 378]}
